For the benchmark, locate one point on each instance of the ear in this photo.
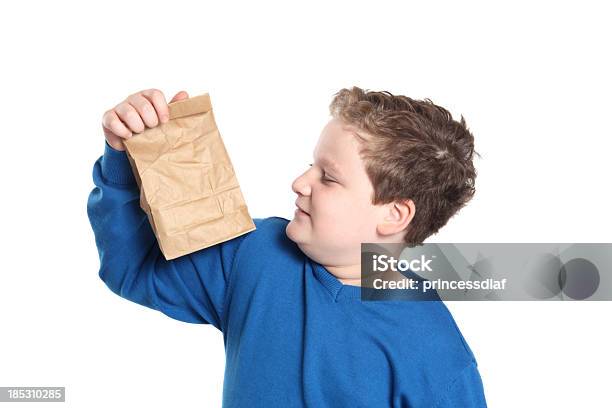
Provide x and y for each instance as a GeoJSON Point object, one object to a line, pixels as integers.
{"type": "Point", "coordinates": [396, 217]}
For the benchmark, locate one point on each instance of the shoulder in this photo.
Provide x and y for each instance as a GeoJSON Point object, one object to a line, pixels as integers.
{"type": "Point", "coordinates": [431, 339]}
{"type": "Point", "coordinates": [264, 253]}
{"type": "Point", "coordinates": [270, 231]}
{"type": "Point", "coordinates": [426, 340]}
{"type": "Point", "coordinates": [450, 354]}
{"type": "Point", "coordinates": [453, 331]}
{"type": "Point", "coordinates": [269, 239]}
{"type": "Point", "coordinates": [272, 223]}
{"type": "Point", "coordinates": [444, 337]}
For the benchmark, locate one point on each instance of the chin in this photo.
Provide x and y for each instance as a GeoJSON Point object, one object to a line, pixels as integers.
{"type": "Point", "coordinates": [297, 233]}
{"type": "Point", "coordinates": [291, 233]}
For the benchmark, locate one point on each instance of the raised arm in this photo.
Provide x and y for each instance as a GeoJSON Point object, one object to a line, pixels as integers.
{"type": "Point", "coordinates": [191, 288]}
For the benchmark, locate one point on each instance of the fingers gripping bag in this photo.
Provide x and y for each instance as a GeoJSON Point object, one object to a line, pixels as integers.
{"type": "Point", "coordinates": [188, 187]}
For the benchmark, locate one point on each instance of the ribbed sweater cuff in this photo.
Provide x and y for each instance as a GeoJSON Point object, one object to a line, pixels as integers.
{"type": "Point", "coordinates": [116, 166]}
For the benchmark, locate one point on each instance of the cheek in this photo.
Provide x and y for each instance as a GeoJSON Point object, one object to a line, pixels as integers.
{"type": "Point", "coordinates": [351, 212]}
{"type": "Point", "coordinates": [329, 203]}
{"type": "Point", "coordinates": [336, 210]}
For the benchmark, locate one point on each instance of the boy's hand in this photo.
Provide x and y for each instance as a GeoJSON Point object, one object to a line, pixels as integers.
{"type": "Point", "coordinates": [145, 108]}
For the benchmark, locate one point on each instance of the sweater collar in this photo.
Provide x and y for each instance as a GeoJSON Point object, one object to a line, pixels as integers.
{"type": "Point", "coordinates": [337, 289]}
{"type": "Point", "coordinates": [340, 291]}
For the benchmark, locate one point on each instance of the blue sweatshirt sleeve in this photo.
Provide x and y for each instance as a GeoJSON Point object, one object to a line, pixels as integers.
{"type": "Point", "coordinates": [466, 391]}
{"type": "Point", "coordinates": [191, 288]}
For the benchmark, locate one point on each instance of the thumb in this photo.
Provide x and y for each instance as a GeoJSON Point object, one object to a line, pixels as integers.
{"type": "Point", "coordinates": [179, 96]}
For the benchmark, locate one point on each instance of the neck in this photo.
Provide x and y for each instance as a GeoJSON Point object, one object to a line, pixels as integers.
{"type": "Point", "coordinates": [347, 274]}
{"type": "Point", "coordinates": [352, 282]}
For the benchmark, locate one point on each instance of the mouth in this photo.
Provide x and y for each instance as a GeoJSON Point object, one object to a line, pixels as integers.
{"type": "Point", "coordinates": [299, 210]}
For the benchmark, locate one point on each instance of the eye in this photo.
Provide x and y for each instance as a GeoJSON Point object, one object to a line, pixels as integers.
{"type": "Point", "coordinates": [327, 179]}
{"type": "Point", "coordinates": [324, 178]}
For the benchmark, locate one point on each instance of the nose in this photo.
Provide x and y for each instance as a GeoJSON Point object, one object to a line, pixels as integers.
{"type": "Point", "coordinates": [301, 185]}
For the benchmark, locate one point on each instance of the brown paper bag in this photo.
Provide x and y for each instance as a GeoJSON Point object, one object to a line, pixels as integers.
{"type": "Point", "coordinates": [188, 187]}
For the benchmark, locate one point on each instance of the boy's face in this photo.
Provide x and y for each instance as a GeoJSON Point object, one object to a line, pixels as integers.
{"type": "Point", "coordinates": [337, 200]}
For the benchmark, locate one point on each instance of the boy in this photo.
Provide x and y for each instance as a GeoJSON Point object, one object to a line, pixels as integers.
{"type": "Point", "coordinates": [286, 296]}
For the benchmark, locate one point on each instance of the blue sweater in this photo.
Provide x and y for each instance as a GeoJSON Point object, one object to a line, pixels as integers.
{"type": "Point", "coordinates": [294, 335]}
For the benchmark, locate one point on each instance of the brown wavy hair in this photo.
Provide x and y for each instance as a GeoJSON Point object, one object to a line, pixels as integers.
{"type": "Point", "coordinates": [413, 149]}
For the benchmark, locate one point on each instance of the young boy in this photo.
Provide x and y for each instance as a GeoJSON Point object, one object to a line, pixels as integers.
{"type": "Point", "coordinates": [286, 296]}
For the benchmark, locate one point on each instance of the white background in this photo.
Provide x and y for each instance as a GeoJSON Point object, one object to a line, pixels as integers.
{"type": "Point", "coordinates": [532, 79]}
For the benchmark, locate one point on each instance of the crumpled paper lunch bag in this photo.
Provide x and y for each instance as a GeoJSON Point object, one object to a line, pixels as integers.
{"type": "Point", "coordinates": [188, 187]}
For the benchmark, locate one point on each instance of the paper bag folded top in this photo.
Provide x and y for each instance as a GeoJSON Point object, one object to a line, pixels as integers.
{"type": "Point", "coordinates": [188, 187]}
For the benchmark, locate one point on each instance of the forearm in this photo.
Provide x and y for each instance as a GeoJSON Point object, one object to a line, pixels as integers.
{"type": "Point", "coordinates": [123, 234]}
